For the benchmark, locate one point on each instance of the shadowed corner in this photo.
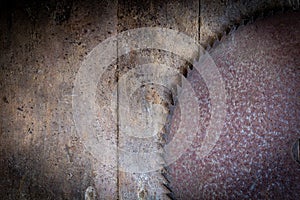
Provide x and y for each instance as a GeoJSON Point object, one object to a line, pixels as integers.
{"type": "Point", "coordinates": [27, 175]}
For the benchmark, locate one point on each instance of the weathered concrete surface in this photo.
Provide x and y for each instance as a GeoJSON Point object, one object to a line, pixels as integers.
{"type": "Point", "coordinates": [42, 44]}
{"type": "Point", "coordinates": [134, 14]}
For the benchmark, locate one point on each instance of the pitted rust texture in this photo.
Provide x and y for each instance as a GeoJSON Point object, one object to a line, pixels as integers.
{"type": "Point", "coordinates": [218, 16]}
{"type": "Point", "coordinates": [42, 44]}
{"type": "Point", "coordinates": [260, 66]}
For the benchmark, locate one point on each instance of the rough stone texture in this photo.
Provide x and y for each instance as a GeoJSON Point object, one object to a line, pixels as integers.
{"type": "Point", "coordinates": [42, 46]}
{"type": "Point", "coordinates": [252, 159]}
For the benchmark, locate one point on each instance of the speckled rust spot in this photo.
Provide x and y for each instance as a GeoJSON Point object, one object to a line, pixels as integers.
{"type": "Point", "coordinates": [296, 151]}
{"type": "Point", "coordinates": [260, 66]}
